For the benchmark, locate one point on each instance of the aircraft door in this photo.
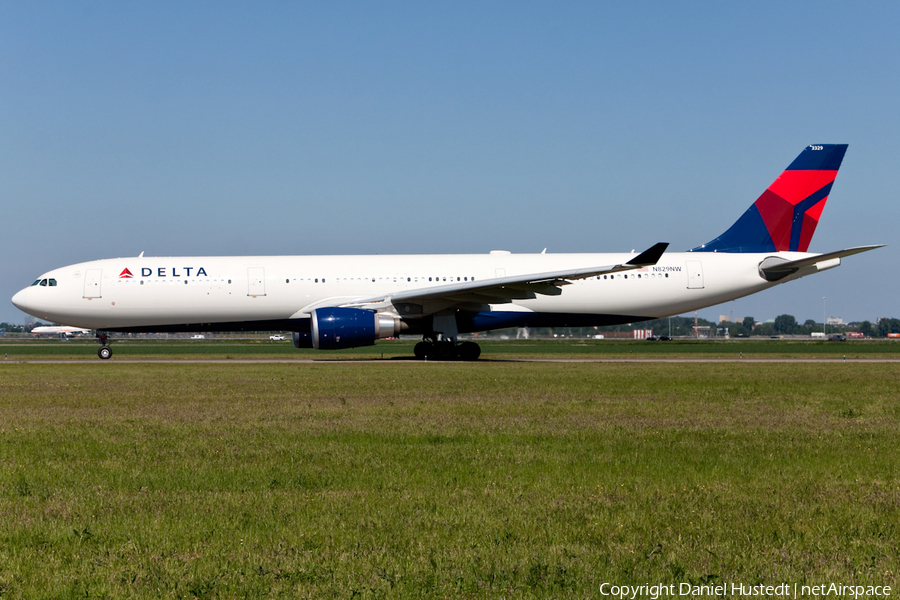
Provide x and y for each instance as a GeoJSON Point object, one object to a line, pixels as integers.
{"type": "Point", "coordinates": [92, 280]}
{"type": "Point", "coordinates": [695, 275]}
{"type": "Point", "coordinates": [256, 278]}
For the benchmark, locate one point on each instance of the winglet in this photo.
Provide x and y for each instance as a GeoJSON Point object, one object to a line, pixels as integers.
{"type": "Point", "coordinates": [650, 256]}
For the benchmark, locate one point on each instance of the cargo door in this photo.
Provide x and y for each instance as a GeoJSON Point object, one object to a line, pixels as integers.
{"type": "Point", "coordinates": [92, 280]}
{"type": "Point", "coordinates": [256, 278]}
{"type": "Point", "coordinates": [695, 275]}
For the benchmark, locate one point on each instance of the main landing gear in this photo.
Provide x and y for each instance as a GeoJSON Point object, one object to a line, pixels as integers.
{"type": "Point", "coordinates": [105, 351]}
{"type": "Point", "coordinates": [446, 349]}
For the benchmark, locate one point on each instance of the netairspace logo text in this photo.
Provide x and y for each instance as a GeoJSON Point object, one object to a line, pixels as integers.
{"type": "Point", "coordinates": [786, 590]}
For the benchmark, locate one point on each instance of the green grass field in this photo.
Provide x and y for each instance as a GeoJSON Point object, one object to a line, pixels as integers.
{"type": "Point", "coordinates": [264, 349]}
{"type": "Point", "coordinates": [404, 479]}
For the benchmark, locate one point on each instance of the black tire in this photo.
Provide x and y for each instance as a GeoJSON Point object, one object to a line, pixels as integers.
{"type": "Point", "coordinates": [446, 351]}
{"type": "Point", "coordinates": [423, 350]}
{"type": "Point", "coordinates": [469, 351]}
{"type": "Point", "coordinates": [104, 352]}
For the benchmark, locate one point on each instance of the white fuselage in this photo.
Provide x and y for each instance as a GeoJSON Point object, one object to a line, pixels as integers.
{"type": "Point", "coordinates": [168, 291]}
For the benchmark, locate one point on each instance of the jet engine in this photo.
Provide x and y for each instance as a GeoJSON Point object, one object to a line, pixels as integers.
{"type": "Point", "coordinates": [302, 339]}
{"type": "Point", "coordinates": [333, 328]}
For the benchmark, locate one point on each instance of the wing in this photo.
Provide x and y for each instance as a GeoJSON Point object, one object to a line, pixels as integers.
{"type": "Point", "coordinates": [498, 290]}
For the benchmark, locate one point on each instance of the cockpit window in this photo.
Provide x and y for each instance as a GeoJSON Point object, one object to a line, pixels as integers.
{"type": "Point", "coordinates": [43, 282]}
{"type": "Point", "coordinates": [36, 281]}
{"type": "Point", "coordinates": [52, 282]}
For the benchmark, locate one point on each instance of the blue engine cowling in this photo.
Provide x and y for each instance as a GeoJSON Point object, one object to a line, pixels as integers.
{"type": "Point", "coordinates": [333, 328]}
{"type": "Point", "coordinates": [302, 339]}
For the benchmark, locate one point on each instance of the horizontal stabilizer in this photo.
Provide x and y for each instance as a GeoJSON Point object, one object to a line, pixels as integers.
{"type": "Point", "coordinates": [774, 268]}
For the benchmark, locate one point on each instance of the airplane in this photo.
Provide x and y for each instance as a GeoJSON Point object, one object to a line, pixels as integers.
{"type": "Point", "coordinates": [63, 331]}
{"type": "Point", "coordinates": [334, 302]}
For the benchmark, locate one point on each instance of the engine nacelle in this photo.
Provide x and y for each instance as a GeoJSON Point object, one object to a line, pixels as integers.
{"type": "Point", "coordinates": [302, 339]}
{"type": "Point", "coordinates": [334, 328]}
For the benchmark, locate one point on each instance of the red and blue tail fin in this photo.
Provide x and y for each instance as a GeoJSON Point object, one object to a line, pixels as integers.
{"type": "Point", "coordinates": [784, 218]}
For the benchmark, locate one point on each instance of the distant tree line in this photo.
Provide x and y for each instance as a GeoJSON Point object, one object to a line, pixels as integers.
{"type": "Point", "coordinates": [10, 328]}
{"type": "Point", "coordinates": [884, 327]}
{"type": "Point", "coordinates": [788, 325]}
{"type": "Point", "coordinates": [684, 327]}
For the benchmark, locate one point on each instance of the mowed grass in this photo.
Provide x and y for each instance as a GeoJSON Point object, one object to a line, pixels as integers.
{"type": "Point", "coordinates": [443, 480]}
{"type": "Point", "coordinates": [225, 348]}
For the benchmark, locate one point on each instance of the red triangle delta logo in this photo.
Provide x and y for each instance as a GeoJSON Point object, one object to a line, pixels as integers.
{"type": "Point", "coordinates": [126, 274]}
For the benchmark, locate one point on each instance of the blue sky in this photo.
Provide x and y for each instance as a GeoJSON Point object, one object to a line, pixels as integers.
{"type": "Point", "coordinates": [216, 128]}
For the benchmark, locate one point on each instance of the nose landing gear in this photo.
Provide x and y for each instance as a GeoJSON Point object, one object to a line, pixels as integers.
{"type": "Point", "coordinates": [105, 351]}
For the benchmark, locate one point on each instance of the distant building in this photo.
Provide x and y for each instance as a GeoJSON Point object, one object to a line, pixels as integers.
{"type": "Point", "coordinates": [835, 321]}
{"type": "Point", "coordinates": [702, 331]}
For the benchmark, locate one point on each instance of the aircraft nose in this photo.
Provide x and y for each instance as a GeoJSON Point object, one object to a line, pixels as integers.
{"type": "Point", "coordinates": [20, 300]}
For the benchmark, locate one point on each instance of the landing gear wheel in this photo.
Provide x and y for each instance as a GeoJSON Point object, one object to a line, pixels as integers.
{"type": "Point", "coordinates": [446, 351]}
{"type": "Point", "coordinates": [423, 350]}
{"type": "Point", "coordinates": [468, 351]}
{"type": "Point", "coordinates": [104, 352]}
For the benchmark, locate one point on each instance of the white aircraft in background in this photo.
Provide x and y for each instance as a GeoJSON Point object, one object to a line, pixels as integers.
{"type": "Point", "coordinates": [331, 302]}
{"type": "Point", "coordinates": [62, 331]}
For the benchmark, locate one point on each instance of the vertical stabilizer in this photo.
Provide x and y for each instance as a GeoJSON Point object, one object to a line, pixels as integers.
{"type": "Point", "coordinates": [785, 216]}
